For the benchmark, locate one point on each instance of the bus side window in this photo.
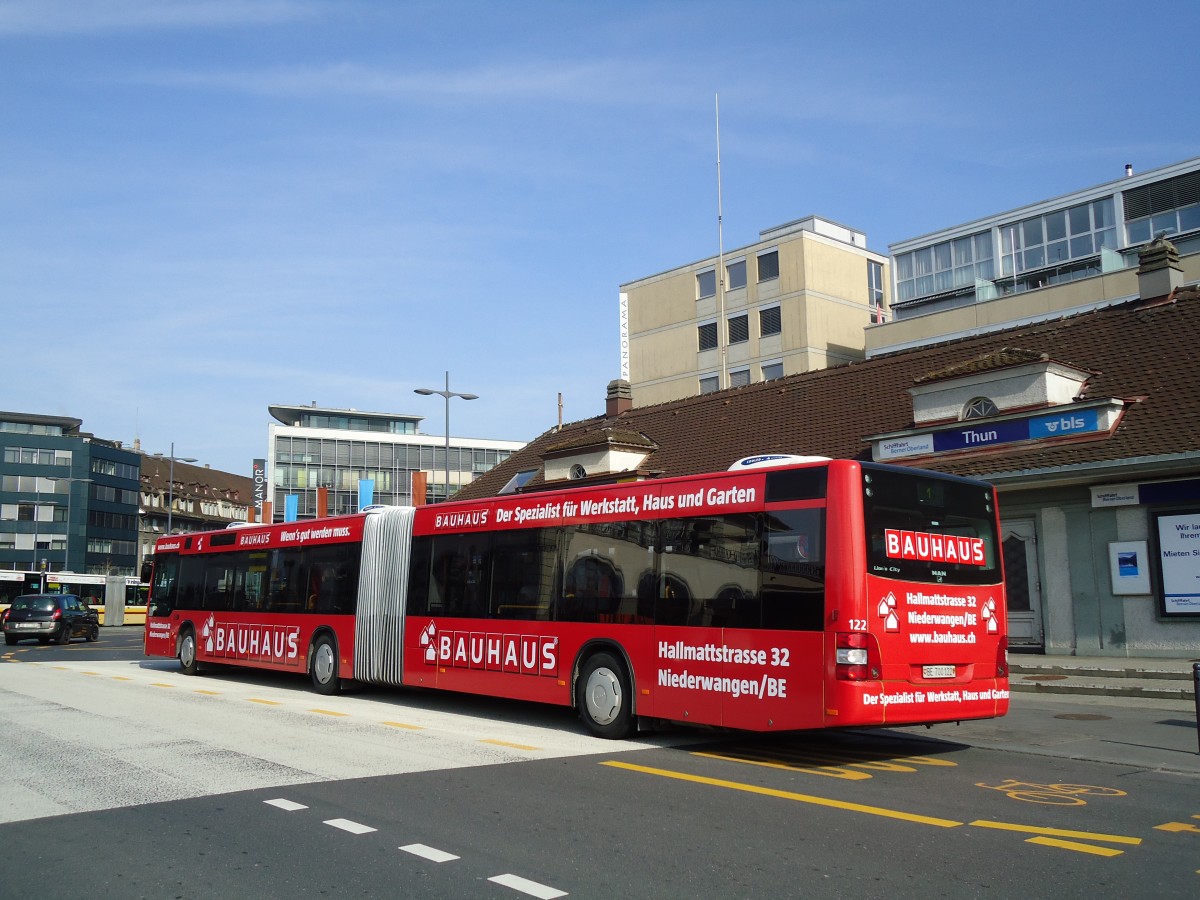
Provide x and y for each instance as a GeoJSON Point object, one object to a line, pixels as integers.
{"type": "Point", "coordinates": [423, 596]}
{"type": "Point", "coordinates": [793, 570]}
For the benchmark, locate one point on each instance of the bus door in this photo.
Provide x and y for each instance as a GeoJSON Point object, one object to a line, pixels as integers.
{"type": "Point", "coordinates": [160, 639]}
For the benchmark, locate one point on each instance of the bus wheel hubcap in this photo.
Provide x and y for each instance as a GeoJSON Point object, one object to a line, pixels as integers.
{"type": "Point", "coordinates": [324, 663]}
{"type": "Point", "coordinates": [603, 696]}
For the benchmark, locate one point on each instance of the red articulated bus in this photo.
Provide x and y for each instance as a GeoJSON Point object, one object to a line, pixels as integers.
{"type": "Point", "coordinates": [779, 595]}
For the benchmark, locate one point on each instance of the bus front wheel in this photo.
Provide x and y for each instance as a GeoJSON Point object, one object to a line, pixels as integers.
{"type": "Point", "coordinates": [323, 667]}
{"type": "Point", "coordinates": [187, 653]}
{"type": "Point", "coordinates": [604, 697]}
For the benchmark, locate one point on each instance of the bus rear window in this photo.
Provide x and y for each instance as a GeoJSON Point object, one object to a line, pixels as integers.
{"type": "Point", "coordinates": [928, 529]}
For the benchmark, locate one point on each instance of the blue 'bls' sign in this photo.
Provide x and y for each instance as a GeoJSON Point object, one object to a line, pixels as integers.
{"type": "Point", "coordinates": [1081, 421]}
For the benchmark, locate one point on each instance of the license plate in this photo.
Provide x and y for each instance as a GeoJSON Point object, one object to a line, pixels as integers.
{"type": "Point", "coordinates": [26, 624]}
{"type": "Point", "coordinates": [937, 671]}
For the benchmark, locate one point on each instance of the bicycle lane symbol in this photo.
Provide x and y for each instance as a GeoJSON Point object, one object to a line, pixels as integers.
{"type": "Point", "coordinates": [1053, 794]}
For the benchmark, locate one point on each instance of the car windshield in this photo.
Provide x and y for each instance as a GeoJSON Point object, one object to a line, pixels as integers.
{"type": "Point", "coordinates": [34, 604]}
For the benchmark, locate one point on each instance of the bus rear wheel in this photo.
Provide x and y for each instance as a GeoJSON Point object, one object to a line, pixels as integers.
{"type": "Point", "coordinates": [604, 697]}
{"type": "Point", "coordinates": [323, 666]}
{"type": "Point", "coordinates": [187, 653]}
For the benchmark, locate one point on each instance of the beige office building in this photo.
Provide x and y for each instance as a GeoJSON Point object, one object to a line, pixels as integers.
{"type": "Point", "coordinates": [798, 299]}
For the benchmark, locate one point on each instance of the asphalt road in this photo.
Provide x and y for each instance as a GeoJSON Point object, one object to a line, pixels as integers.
{"type": "Point", "coordinates": [126, 779]}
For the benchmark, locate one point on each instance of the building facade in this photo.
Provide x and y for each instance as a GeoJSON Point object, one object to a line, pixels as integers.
{"type": "Point", "coordinates": [313, 448]}
{"type": "Point", "coordinates": [180, 497]}
{"type": "Point", "coordinates": [1088, 424]}
{"type": "Point", "coordinates": [68, 500]}
{"type": "Point", "coordinates": [1046, 259]}
{"type": "Point", "coordinates": [798, 299]}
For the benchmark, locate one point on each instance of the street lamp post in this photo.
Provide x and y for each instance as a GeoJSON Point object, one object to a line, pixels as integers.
{"type": "Point", "coordinates": [171, 479]}
{"type": "Point", "coordinates": [447, 393]}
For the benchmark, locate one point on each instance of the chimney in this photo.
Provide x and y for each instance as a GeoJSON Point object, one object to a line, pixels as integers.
{"type": "Point", "coordinates": [1128, 170]}
{"type": "Point", "coordinates": [620, 398]}
{"type": "Point", "coordinates": [1159, 272]}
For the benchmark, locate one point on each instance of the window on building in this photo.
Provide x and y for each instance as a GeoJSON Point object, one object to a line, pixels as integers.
{"type": "Point", "coordinates": [739, 378]}
{"type": "Point", "coordinates": [709, 383]}
{"type": "Point", "coordinates": [1165, 206]}
{"type": "Point", "coordinates": [875, 284]}
{"type": "Point", "coordinates": [707, 334]}
{"type": "Point", "coordinates": [735, 275]}
{"type": "Point", "coordinates": [706, 284]}
{"type": "Point", "coordinates": [771, 371]}
{"type": "Point", "coordinates": [945, 266]}
{"type": "Point", "coordinates": [769, 321]}
{"type": "Point", "coordinates": [980, 408]}
{"type": "Point", "coordinates": [739, 329]}
{"type": "Point", "coordinates": [1057, 238]}
{"type": "Point", "coordinates": [768, 265]}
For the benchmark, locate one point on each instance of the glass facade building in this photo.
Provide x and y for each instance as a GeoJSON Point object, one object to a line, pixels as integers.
{"type": "Point", "coordinates": [337, 449]}
{"type": "Point", "coordinates": [1079, 235]}
{"type": "Point", "coordinates": [68, 500]}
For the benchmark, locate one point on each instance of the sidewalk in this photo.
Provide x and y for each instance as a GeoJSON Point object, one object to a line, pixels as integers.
{"type": "Point", "coordinates": [1149, 733]}
{"type": "Point", "coordinates": [1144, 678]}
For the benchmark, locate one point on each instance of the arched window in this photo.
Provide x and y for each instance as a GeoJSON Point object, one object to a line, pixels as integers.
{"type": "Point", "coordinates": [578, 471]}
{"type": "Point", "coordinates": [979, 408]}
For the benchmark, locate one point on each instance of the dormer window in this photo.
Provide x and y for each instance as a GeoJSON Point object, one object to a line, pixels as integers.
{"type": "Point", "coordinates": [979, 408]}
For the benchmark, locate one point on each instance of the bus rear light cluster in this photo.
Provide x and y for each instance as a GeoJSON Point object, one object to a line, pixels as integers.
{"type": "Point", "coordinates": [857, 656]}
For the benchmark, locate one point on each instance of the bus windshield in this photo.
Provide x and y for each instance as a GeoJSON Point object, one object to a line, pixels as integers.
{"type": "Point", "coordinates": [929, 529]}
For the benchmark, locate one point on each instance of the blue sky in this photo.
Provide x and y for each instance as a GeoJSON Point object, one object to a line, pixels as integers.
{"type": "Point", "coordinates": [209, 207]}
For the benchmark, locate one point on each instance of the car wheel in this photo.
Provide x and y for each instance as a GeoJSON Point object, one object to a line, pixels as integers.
{"type": "Point", "coordinates": [94, 634]}
{"type": "Point", "coordinates": [187, 653]}
{"type": "Point", "coordinates": [11, 639]}
{"type": "Point", "coordinates": [64, 634]}
{"type": "Point", "coordinates": [323, 666]}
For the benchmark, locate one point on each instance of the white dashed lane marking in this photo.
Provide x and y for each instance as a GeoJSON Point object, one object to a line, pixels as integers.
{"type": "Point", "coordinates": [430, 853]}
{"type": "Point", "coordinates": [347, 825]}
{"type": "Point", "coordinates": [286, 805]}
{"type": "Point", "coordinates": [515, 882]}
{"type": "Point", "coordinates": [525, 886]}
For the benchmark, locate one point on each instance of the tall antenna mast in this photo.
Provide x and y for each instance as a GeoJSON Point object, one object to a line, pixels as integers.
{"type": "Point", "coordinates": [722, 326]}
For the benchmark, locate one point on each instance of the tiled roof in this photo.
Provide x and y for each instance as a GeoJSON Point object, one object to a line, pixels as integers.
{"type": "Point", "coordinates": [1142, 352]}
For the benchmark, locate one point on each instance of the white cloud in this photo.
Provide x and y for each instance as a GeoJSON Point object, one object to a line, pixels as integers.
{"type": "Point", "coordinates": [603, 81]}
{"type": "Point", "coordinates": [68, 17]}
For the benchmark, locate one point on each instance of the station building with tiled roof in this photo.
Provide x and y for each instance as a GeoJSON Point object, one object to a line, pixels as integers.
{"type": "Point", "coordinates": [1089, 425]}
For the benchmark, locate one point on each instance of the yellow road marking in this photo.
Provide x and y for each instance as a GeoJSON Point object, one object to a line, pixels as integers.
{"type": "Point", "coordinates": [1178, 826]}
{"type": "Point", "coordinates": [160, 684]}
{"type": "Point", "coordinates": [328, 712]}
{"type": "Point", "coordinates": [789, 795]}
{"type": "Point", "coordinates": [508, 744]}
{"type": "Point", "coordinates": [121, 678]}
{"type": "Point", "coordinates": [831, 771]}
{"type": "Point", "coordinates": [208, 693]}
{"type": "Point", "coordinates": [264, 702]}
{"type": "Point", "coordinates": [1072, 845]}
{"type": "Point", "coordinates": [404, 725]}
{"type": "Point", "coordinates": [93, 674]}
{"type": "Point", "coordinates": [1058, 832]}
